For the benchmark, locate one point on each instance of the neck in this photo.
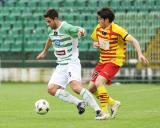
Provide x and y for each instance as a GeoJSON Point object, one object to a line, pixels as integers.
{"type": "Point", "coordinates": [58, 23]}
{"type": "Point", "coordinates": [108, 26]}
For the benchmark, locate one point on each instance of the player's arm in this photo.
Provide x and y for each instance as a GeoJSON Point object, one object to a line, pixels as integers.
{"type": "Point", "coordinates": [95, 44]}
{"type": "Point", "coordinates": [136, 45]}
{"type": "Point", "coordinates": [43, 54]}
{"type": "Point", "coordinates": [75, 31]}
{"type": "Point", "coordinates": [129, 38]}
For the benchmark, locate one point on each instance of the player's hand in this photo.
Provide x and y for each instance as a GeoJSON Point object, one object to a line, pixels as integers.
{"type": "Point", "coordinates": [81, 32]}
{"type": "Point", "coordinates": [143, 59]}
{"type": "Point", "coordinates": [41, 55]}
{"type": "Point", "coordinates": [96, 45]}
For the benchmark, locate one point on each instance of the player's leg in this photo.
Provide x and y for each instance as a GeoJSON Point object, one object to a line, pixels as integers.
{"type": "Point", "coordinates": [86, 95]}
{"type": "Point", "coordinates": [105, 99]}
{"type": "Point", "coordinates": [105, 76]}
{"type": "Point", "coordinates": [113, 103]}
{"type": "Point", "coordinates": [92, 88]}
{"type": "Point", "coordinates": [74, 79]}
{"type": "Point", "coordinates": [64, 95]}
{"type": "Point", "coordinates": [101, 87]}
{"type": "Point", "coordinates": [88, 98]}
{"type": "Point", "coordinates": [102, 93]}
{"type": "Point", "coordinates": [56, 87]}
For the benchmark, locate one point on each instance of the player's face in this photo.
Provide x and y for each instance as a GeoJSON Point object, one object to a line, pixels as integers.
{"type": "Point", "coordinates": [104, 23]}
{"type": "Point", "coordinates": [50, 22]}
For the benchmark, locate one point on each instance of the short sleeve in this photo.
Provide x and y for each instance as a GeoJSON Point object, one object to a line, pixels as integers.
{"type": "Point", "coordinates": [123, 33]}
{"type": "Point", "coordinates": [94, 35]}
{"type": "Point", "coordinates": [71, 30]}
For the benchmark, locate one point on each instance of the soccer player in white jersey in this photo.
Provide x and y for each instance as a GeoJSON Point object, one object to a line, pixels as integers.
{"type": "Point", "coordinates": [64, 38]}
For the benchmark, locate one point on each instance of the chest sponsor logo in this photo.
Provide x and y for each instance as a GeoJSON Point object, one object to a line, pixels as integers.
{"type": "Point", "coordinates": [104, 44]}
{"type": "Point", "coordinates": [57, 42]}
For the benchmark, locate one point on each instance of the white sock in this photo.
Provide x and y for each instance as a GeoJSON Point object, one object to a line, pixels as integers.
{"type": "Point", "coordinates": [89, 99]}
{"type": "Point", "coordinates": [67, 97]}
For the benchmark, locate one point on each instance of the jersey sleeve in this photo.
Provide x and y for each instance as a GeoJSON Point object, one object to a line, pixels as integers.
{"type": "Point", "coordinates": [71, 30]}
{"type": "Point", "coordinates": [94, 35]}
{"type": "Point", "coordinates": [123, 33]}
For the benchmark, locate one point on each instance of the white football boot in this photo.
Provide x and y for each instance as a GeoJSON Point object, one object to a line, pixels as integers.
{"type": "Point", "coordinates": [115, 108]}
{"type": "Point", "coordinates": [101, 115]}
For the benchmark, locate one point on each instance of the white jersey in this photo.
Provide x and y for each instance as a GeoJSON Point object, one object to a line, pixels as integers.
{"type": "Point", "coordinates": [65, 43]}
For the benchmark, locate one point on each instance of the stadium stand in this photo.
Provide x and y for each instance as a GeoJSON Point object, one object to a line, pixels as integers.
{"type": "Point", "coordinates": [23, 29]}
{"type": "Point", "coordinates": [153, 52]}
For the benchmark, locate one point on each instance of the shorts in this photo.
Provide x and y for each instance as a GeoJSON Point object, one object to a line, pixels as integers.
{"type": "Point", "coordinates": [64, 74]}
{"type": "Point", "coordinates": [107, 70]}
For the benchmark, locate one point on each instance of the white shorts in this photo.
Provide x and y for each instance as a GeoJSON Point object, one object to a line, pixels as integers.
{"type": "Point", "coordinates": [64, 74]}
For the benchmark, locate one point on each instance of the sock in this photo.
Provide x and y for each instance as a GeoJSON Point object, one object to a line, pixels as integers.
{"type": "Point", "coordinates": [67, 97]}
{"type": "Point", "coordinates": [110, 100]}
{"type": "Point", "coordinates": [89, 99]}
{"type": "Point", "coordinates": [103, 98]}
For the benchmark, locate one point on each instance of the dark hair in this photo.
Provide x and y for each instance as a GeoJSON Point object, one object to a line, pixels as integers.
{"type": "Point", "coordinates": [51, 13]}
{"type": "Point", "coordinates": [106, 13]}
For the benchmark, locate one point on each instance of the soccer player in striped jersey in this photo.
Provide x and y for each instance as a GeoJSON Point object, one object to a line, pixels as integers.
{"type": "Point", "coordinates": [64, 38]}
{"type": "Point", "coordinates": [111, 39]}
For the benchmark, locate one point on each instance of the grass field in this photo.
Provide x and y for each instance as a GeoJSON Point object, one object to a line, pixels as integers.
{"type": "Point", "coordinates": [140, 108]}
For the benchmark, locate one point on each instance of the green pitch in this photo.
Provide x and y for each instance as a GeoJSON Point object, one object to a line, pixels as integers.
{"type": "Point", "coordinates": [140, 108]}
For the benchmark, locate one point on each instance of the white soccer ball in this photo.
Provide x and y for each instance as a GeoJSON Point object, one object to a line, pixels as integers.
{"type": "Point", "coordinates": [42, 106]}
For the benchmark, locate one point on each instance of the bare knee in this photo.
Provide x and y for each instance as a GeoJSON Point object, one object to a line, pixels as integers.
{"type": "Point", "coordinates": [92, 88]}
{"type": "Point", "coordinates": [97, 82]}
{"type": "Point", "coordinates": [52, 89]}
{"type": "Point", "coordinates": [100, 81]}
{"type": "Point", "coordinates": [76, 86]}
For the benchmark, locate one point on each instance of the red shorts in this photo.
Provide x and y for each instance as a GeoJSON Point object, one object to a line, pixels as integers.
{"type": "Point", "coordinates": [107, 70]}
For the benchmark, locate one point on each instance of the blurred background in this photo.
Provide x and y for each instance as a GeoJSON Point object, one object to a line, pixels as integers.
{"type": "Point", "coordinates": [23, 33]}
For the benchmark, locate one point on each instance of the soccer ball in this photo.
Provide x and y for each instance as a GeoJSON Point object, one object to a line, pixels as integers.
{"type": "Point", "coordinates": [42, 106]}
